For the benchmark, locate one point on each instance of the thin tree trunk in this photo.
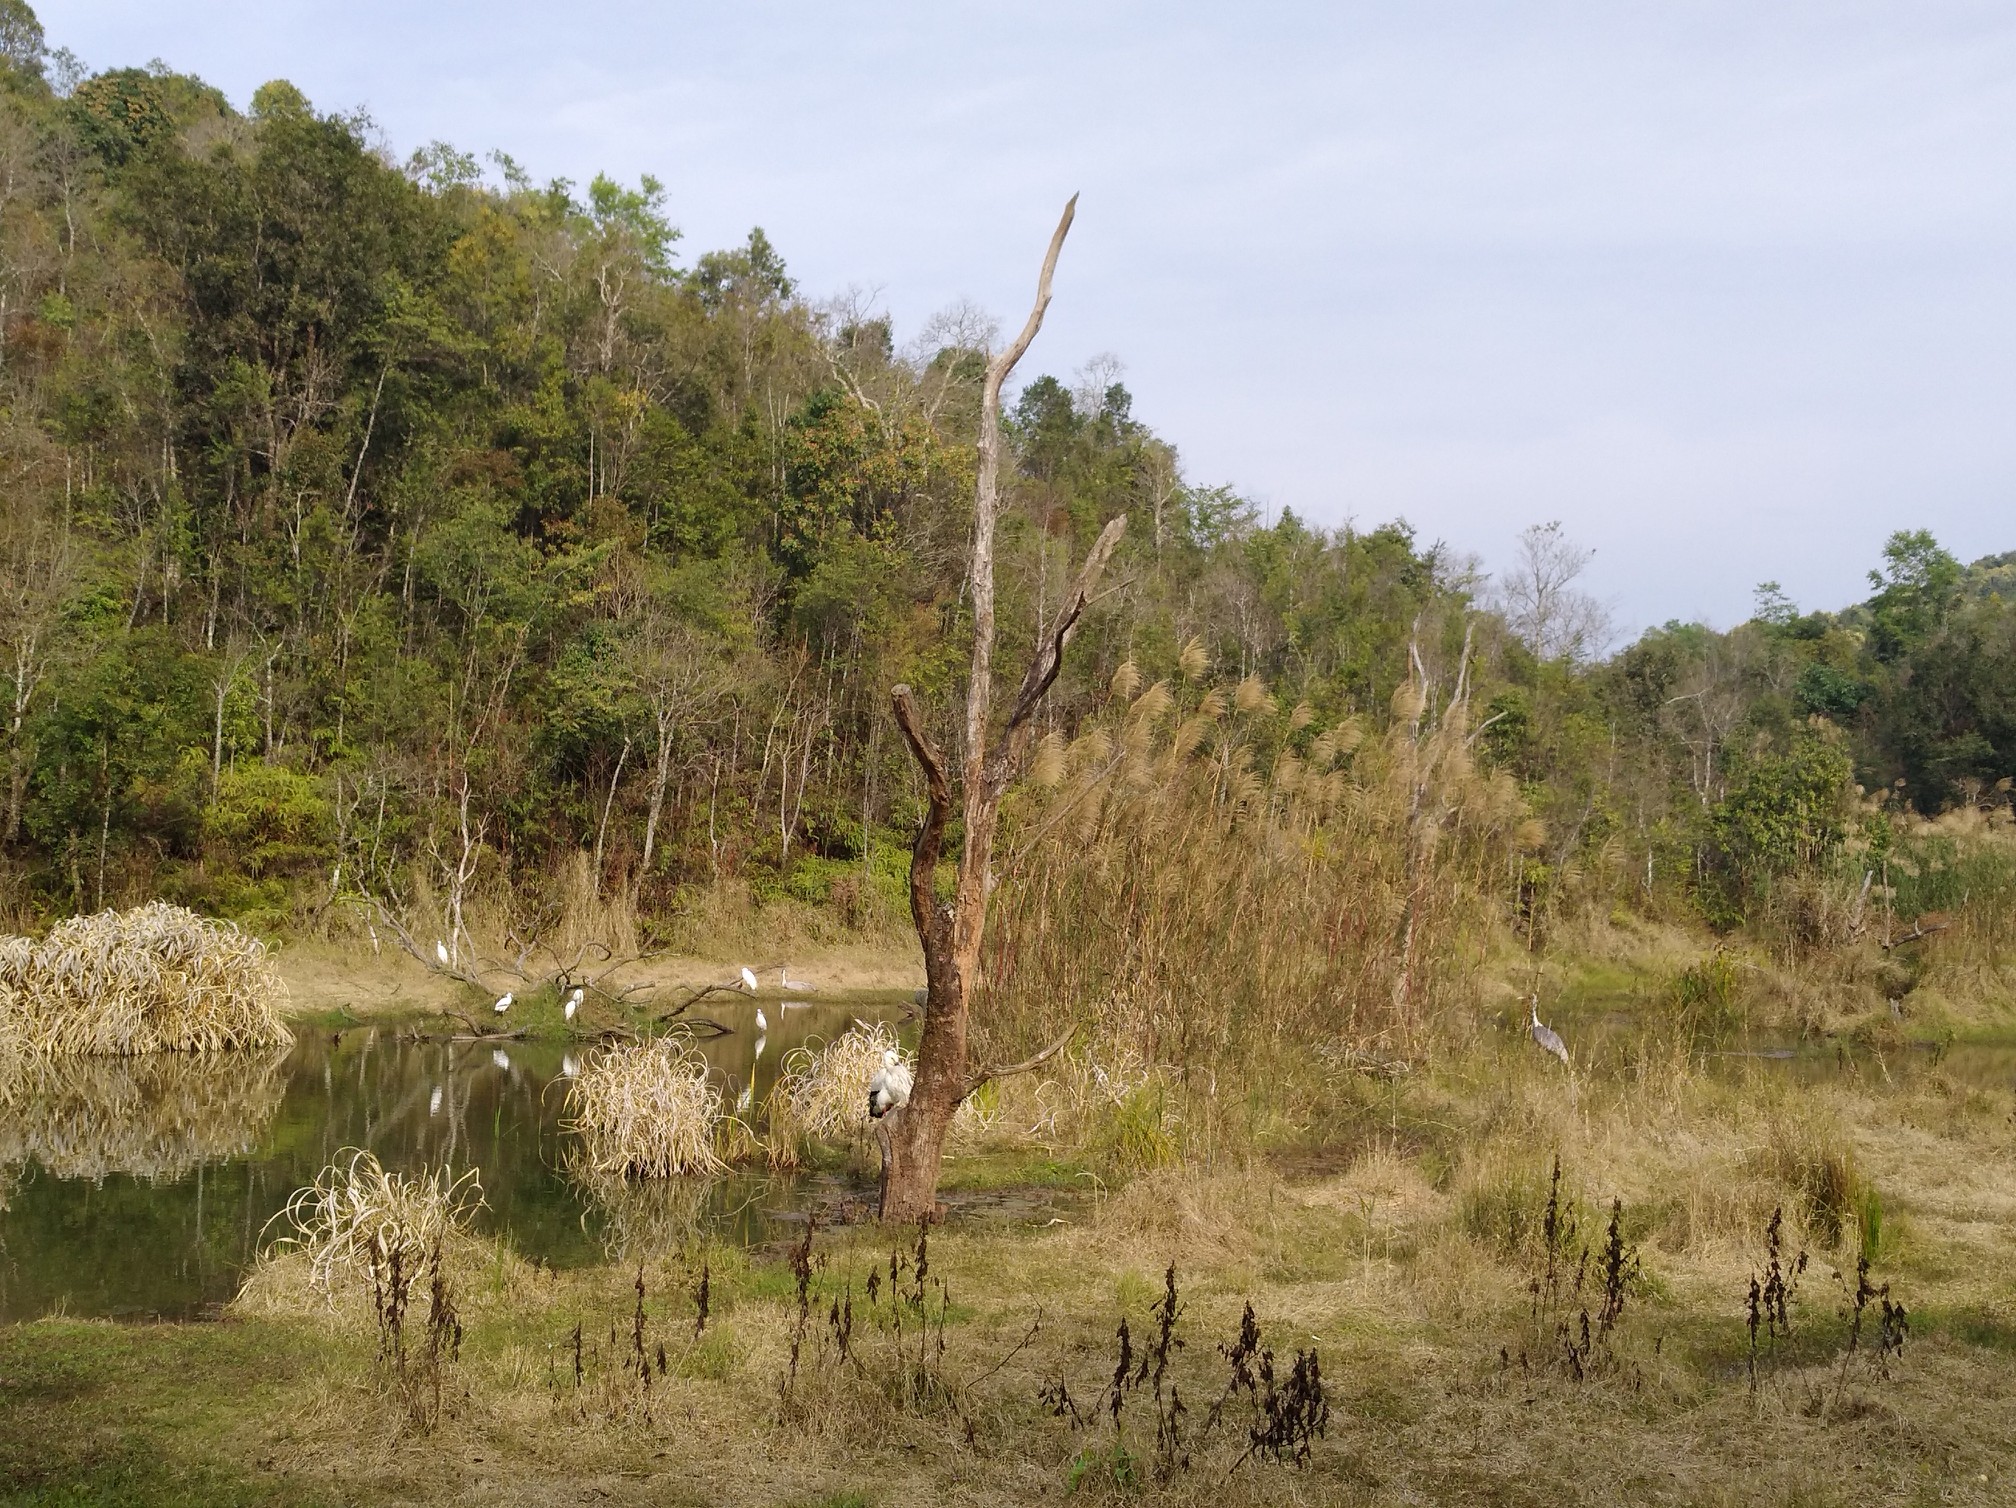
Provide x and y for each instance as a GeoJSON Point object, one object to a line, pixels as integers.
{"type": "Point", "coordinates": [951, 936]}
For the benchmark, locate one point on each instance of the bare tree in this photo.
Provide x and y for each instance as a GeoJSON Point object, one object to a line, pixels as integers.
{"type": "Point", "coordinates": [1541, 602]}
{"type": "Point", "coordinates": [913, 1137]}
{"type": "Point", "coordinates": [39, 563]}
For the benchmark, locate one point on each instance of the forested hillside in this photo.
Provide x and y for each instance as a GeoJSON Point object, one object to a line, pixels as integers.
{"type": "Point", "coordinates": [367, 520]}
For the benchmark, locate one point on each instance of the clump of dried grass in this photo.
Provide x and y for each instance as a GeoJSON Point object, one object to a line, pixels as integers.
{"type": "Point", "coordinates": [646, 1110]}
{"type": "Point", "coordinates": [357, 1223]}
{"type": "Point", "coordinates": [822, 1093]}
{"type": "Point", "coordinates": [158, 1116]}
{"type": "Point", "coordinates": [151, 979]}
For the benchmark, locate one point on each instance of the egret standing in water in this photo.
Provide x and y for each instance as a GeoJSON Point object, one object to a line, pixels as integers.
{"type": "Point", "coordinates": [746, 1100]}
{"type": "Point", "coordinates": [1544, 1035]}
{"type": "Point", "coordinates": [574, 1003]}
{"type": "Point", "coordinates": [503, 1002]}
{"type": "Point", "coordinates": [762, 1023]}
{"type": "Point", "coordinates": [890, 1088]}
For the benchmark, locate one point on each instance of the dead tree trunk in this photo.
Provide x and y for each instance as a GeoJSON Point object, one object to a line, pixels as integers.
{"type": "Point", "coordinates": [951, 935]}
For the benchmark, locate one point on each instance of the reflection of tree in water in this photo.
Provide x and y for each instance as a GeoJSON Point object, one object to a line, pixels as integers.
{"type": "Point", "coordinates": [644, 1217]}
{"type": "Point", "coordinates": [154, 1115]}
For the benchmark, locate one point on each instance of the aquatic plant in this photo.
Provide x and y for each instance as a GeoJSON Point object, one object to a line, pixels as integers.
{"type": "Point", "coordinates": [646, 1110]}
{"type": "Point", "coordinates": [153, 978]}
{"type": "Point", "coordinates": [360, 1224]}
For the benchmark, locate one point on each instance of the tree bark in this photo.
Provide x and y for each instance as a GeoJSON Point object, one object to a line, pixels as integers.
{"type": "Point", "coordinates": [951, 935]}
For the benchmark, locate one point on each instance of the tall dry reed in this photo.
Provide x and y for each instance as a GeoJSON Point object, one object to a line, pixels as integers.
{"type": "Point", "coordinates": [1213, 886]}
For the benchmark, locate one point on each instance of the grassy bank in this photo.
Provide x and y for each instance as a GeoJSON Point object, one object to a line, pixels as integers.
{"type": "Point", "coordinates": [1403, 1247]}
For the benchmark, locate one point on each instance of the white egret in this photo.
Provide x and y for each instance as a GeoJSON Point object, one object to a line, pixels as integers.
{"type": "Point", "coordinates": [503, 1002]}
{"type": "Point", "coordinates": [762, 1021]}
{"type": "Point", "coordinates": [574, 1003]}
{"type": "Point", "coordinates": [441, 952]}
{"type": "Point", "coordinates": [795, 986]}
{"type": "Point", "coordinates": [1548, 1039]}
{"type": "Point", "coordinates": [890, 1088]}
{"type": "Point", "coordinates": [749, 979]}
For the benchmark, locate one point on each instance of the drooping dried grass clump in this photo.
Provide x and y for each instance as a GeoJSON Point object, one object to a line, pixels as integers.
{"type": "Point", "coordinates": [358, 1224]}
{"type": "Point", "coordinates": [822, 1094]}
{"type": "Point", "coordinates": [646, 1110]}
{"type": "Point", "coordinates": [157, 977]}
{"type": "Point", "coordinates": [159, 1116]}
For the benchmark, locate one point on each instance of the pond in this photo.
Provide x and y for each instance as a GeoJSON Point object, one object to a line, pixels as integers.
{"type": "Point", "coordinates": [143, 1187]}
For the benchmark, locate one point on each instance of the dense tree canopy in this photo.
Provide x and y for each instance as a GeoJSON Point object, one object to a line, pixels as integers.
{"type": "Point", "coordinates": [345, 504]}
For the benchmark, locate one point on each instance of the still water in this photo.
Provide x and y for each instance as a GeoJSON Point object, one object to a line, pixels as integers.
{"type": "Point", "coordinates": [140, 1187]}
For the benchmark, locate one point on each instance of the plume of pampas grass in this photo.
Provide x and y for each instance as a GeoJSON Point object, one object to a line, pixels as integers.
{"type": "Point", "coordinates": [1126, 679]}
{"type": "Point", "coordinates": [1250, 696]}
{"type": "Point", "coordinates": [1193, 661]}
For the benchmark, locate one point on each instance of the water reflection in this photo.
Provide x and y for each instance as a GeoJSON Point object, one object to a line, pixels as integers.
{"type": "Point", "coordinates": [141, 1186]}
{"type": "Point", "coordinates": [156, 1116]}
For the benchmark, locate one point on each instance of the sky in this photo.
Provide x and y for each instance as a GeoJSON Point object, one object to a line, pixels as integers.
{"type": "Point", "coordinates": [1729, 289]}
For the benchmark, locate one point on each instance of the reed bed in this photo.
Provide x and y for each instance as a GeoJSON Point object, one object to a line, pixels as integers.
{"type": "Point", "coordinates": [151, 979]}
{"type": "Point", "coordinates": [357, 1223]}
{"type": "Point", "coordinates": [158, 1116]}
{"type": "Point", "coordinates": [646, 1110]}
{"type": "Point", "coordinates": [1224, 891]}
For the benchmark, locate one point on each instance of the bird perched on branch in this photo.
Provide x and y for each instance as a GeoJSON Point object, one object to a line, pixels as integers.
{"type": "Point", "coordinates": [1544, 1035]}
{"type": "Point", "coordinates": [441, 952]}
{"type": "Point", "coordinates": [574, 1003]}
{"type": "Point", "coordinates": [748, 979]}
{"type": "Point", "coordinates": [890, 1088]}
{"type": "Point", "coordinates": [503, 1002]}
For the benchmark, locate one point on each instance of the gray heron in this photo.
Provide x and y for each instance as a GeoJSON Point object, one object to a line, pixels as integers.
{"type": "Point", "coordinates": [1548, 1039]}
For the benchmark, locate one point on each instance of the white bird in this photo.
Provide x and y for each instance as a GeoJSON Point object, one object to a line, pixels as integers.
{"type": "Point", "coordinates": [746, 1100]}
{"type": "Point", "coordinates": [503, 1002]}
{"type": "Point", "coordinates": [434, 1101]}
{"type": "Point", "coordinates": [890, 1088]}
{"type": "Point", "coordinates": [574, 1003]}
{"type": "Point", "coordinates": [1548, 1039]}
{"type": "Point", "coordinates": [749, 979]}
{"type": "Point", "coordinates": [795, 986]}
{"type": "Point", "coordinates": [762, 1021]}
{"type": "Point", "coordinates": [441, 952]}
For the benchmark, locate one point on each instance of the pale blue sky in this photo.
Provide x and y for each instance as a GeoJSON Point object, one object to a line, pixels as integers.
{"type": "Point", "coordinates": [1729, 288]}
